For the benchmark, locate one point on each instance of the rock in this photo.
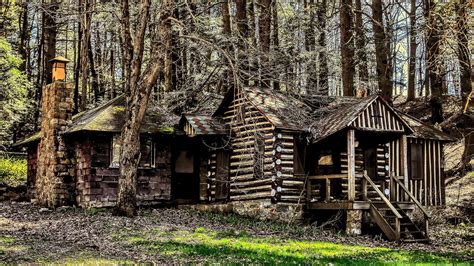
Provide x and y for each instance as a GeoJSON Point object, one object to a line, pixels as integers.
{"type": "Point", "coordinates": [44, 210]}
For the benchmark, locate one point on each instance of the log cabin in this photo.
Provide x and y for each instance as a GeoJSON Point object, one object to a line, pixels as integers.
{"type": "Point", "coordinates": [291, 155]}
{"type": "Point", "coordinates": [267, 154]}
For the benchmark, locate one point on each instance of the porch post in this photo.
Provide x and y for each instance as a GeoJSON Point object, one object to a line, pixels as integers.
{"type": "Point", "coordinates": [351, 165]}
{"type": "Point", "coordinates": [404, 162]}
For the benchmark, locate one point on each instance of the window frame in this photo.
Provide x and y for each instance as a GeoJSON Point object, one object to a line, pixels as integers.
{"type": "Point", "coordinates": [116, 146]}
{"type": "Point", "coordinates": [419, 161]}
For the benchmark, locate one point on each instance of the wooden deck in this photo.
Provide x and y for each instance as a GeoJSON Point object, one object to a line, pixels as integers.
{"type": "Point", "coordinates": [354, 205]}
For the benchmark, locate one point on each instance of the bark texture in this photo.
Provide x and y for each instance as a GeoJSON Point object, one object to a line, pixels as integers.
{"type": "Point", "coordinates": [382, 52]}
{"type": "Point", "coordinates": [347, 47]}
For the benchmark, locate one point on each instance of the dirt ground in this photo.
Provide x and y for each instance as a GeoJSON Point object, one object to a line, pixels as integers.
{"type": "Point", "coordinates": [29, 234]}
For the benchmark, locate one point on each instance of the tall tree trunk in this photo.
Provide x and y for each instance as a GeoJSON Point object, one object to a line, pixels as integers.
{"type": "Point", "coordinates": [310, 45]}
{"type": "Point", "coordinates": [50, 29]}
{"type": "Point", "coordinates": [137, 95]}
{"type": "Point", "coordinates": [86, 35]}
{"type": "Point", "coordinates": [347, 47]}
{"type": "Point", "coordinates": [168, 62]}
{"type": "Point", "coordinates": [323, 84]}
{"type": "Point", "coordinates": [24, 37]}
{"type": "Point", "coordinates": [433, 65]}
{"type": "Point", "coordinates": [243, 30]}
{"type": "Point", "coordinates": [275, 39]}
{"type": "Point", "coordinates": [95, 87]}
{"type": "Point", "coordinates": [265, 34]}
{"type": "Point", "coordinates": [227, 31]}
{"type": "Point", "coordinates": [39, 77]}
{"type": "Point", "coordinates": [77, 57]}
{"type": "Point", "coordinates": [382, 52]}
{"type": "Point", "coordinates": [361, 46]}
{"type": "Point", "coordinates": [466, 81]}
{"type": "Point", "coordinates": [463, 49]}
{"type": "Point", "coordinates": [412, 55]}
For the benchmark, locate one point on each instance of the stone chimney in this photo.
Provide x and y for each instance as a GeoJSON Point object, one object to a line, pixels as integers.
{"type": "Point", "coordinates": [55, 169]}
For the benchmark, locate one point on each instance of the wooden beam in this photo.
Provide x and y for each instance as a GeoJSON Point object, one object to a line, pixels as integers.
{"type": "Point", "coordinates": [351, 164]}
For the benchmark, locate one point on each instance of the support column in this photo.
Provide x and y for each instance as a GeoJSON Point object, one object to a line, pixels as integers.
{"type": "Point", "coordinates": [404, 162]}
{"type": "Point", "coordinates": [351, 165]}
{"type": "Point", "coordinates": [354, 222]}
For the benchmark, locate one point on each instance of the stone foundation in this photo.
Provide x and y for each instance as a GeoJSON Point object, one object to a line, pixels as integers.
{"type": "Point", "coordinates": [354, 222]}
{"type": "Point", "coordinates": [266, 210]}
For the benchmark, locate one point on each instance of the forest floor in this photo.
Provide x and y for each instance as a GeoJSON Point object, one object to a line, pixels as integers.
{"type": "Point", "coordinates": [29, 234]}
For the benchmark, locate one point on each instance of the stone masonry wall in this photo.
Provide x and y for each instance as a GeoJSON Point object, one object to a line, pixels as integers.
{"type": "Point", "coordinates": [55, 165]}
{"type": "Point", "coordinates": [32, 158]}
{"type": "Point", "coordinates": [98, 186]}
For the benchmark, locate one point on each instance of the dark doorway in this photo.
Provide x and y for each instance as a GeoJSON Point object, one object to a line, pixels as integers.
{"type": "Point", "coordinates": [222, 175]}
{"type": "Point", "coordinates": [185, 179]}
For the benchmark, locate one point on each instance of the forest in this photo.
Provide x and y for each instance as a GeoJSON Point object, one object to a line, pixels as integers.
{"type": "Point", "coordinates": [416, 56]}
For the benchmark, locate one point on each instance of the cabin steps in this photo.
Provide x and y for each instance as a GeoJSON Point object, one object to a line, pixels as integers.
{"type": "Point", "coordinates": [386, 219]}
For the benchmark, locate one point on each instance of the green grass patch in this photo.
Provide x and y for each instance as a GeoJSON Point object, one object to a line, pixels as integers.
{"type": "Point", "coordinates": [8, 245]}
{"type": "Point", "coordinates": [232, 246]}
{"type": "Point", "coordinates": [13, 171]}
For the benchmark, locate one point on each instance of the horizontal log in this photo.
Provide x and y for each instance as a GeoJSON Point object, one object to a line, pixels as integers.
{"type": "Point", "coordinates": [334, 176]}
{"type": "Point", "coordinates": [251, 196]}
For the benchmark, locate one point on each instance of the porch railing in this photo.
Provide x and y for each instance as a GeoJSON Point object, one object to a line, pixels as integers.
{"type": "Point", "coordinates": [392, 233]}
{"type": "Point", "coordinates": [394, 179]}
{"type": "Point", "coordinates": [328, 180]}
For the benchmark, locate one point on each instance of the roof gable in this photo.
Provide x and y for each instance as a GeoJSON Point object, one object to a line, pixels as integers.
{"type": "Point", "coordinates": [379, 116]}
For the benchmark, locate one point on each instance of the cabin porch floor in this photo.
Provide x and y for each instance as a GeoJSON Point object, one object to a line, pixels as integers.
{"type": "Point", "coordinates": [353, 205]}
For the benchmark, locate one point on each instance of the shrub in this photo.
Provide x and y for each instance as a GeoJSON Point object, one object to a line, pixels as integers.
{"type": "Point", "coordinates": [13, 171]}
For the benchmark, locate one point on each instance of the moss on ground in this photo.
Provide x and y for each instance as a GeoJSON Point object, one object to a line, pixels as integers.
{"type": "Point", "coordinates": [231, 246]}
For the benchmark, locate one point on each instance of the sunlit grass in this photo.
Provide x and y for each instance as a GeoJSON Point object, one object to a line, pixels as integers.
{"type": "Point", "coordinates": [13, 171]}
{"type": "Point", "coordinates": [8, 245]}
{"type": "Point", "coordinates": [230, 246]}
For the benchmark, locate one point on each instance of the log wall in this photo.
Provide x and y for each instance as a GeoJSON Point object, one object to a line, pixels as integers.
{"type": "Point", "coordinates": [251, 161]}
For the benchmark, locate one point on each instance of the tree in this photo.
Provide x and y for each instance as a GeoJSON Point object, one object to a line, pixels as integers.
{"type": "Point", "coordinates": [14, 100]}
{"type": "Point", "coordinates": [347, 47]}
{"type": "Point", "coordinates": [264, 34]}
{"type": "Point", "coordinates": [361, 46]}
{"type": "Point", "coordinates": [310, 46]}
{"type": "Point", "coordinates": [86, 20]}
{"type": "Point", "coordinates": [243, 30]}
{"type": "Point", "coordinates": [323, 85]}
{"type": "Point", "coordinates": [137, 93]}
{"type": "Point", "coordinates": [412, 54]}
{"type": "Point", "coordinates": [50, 30]}
{"type": "Point", "coordinates": [463, 49]}
{"type": "Point", "coordinates": [382, 52]}
{"type": "Point", "coordinates": [434, 31]}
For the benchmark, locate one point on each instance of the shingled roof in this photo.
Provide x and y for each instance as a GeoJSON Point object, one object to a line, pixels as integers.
{"type": "Point", "coordinates": [424, 131]}
{"type": "Point", "coordinates": [322, 116]}
{"type": "Point", "coordinates": [205, 124]}
{"type": "Point", "coordinates": [110, 116]}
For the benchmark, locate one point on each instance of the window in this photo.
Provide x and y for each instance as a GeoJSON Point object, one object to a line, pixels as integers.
{"type": "Point", "coordinates": [100, 152]}
{"type": "Point", "coordinates": [299, 157]}
{"type": "Point", "coordinates": [147, 150]}
{"type": "Point", "coordinates": [259, 154]}
{"type": "Point", "coordinates": [115, 156]}
{"type": "Point", "coordinates": [327, 162]}
{"type": "Point", "coordinates": [415, 158]}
